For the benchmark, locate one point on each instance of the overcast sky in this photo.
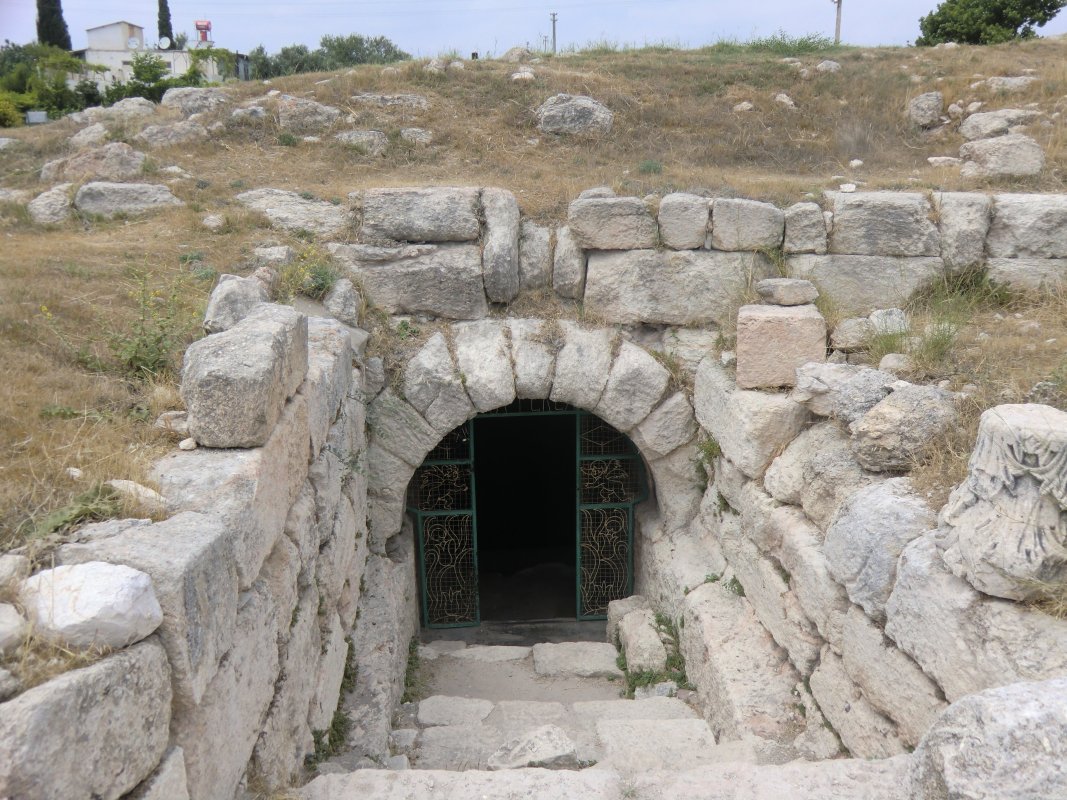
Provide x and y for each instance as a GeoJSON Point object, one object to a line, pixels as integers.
{"type": "Point", "coordinates": [429, 27]}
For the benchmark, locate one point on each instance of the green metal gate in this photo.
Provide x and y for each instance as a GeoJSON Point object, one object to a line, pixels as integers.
{"type": "Point", "coordinates": [442, 498]}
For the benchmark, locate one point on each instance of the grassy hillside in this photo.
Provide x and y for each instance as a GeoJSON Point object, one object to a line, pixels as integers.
{"type": "Point", "coordinates": [75, 298]}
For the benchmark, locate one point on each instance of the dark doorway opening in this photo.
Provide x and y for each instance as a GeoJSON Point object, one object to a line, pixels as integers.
{"type": "Point", "coordinates": [525, 474]}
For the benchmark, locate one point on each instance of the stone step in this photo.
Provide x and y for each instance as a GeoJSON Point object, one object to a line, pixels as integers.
{"type": "Point", "coordinates": [640, 745]}
{"type": "Point", "coordinates": [840, 779]}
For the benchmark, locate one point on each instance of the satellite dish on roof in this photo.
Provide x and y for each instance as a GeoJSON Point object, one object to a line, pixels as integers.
{"type": "Point", "coordinates": [164, 43]}
{"type": "Point", "coordinates": [133, 43]}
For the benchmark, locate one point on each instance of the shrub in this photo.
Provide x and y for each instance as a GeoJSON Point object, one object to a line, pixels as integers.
{"type": "Point", "coordinates": [986, 21]}
{"type": "Point", "coordinates": [9, 113]}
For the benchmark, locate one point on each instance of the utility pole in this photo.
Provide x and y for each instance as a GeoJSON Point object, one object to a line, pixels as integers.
{"type": "Point", "coordinates": [837, 30]}
{"type": "Point", "coordinates": [554, 17]}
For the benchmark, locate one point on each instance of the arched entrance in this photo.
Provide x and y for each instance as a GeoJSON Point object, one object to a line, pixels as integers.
{"type": "Point", "coordinates": [526, 512]}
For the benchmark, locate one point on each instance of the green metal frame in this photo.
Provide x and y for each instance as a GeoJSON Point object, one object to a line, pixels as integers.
{"type": "Point", "coordinates": [632, 456]}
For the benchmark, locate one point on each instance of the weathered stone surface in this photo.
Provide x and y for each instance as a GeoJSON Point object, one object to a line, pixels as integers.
{"type": "Point", "coordinates": [235, 383]}
{"type": "Point", "coordinates": [167, 782]}
{"type": "Point", "coordinates": [190, 560]}
{"type": "Point", "coordinates": [442, 710]}
{"type": "Point", "coordinates": [1028, 274]}
{"type": "Point", "coordinates": [787, 291]}
{"type": "Point", "coordinates": [92, 604]}
{"type": "Point", "coordinates": [1028, 225]}
{"type": "Point", "coordinates": [111, 162]}
{"type": "Point", "coordinates": [772, 341]}
{"type": "Point", "coordinates": [750, 427]}
{"type": "Point", "coordinates": [232, 299]}
{"type": "Point", "coordinates": [964, 640]}
{"type": "Point", "coordinates": [581, 659]}
{"type": "Point", "coordinates": [437, 214]}
{"type": "Point", "coordinates": [1013, 155]}
{"type": "Point", "coordinates": [868, 534]}
{"type": "Point", "coordinates": [496, 785]}
{"type": "Point", "coordinates": [570, 114]}
{"type": "Point", "coordinates": [784, 479]}
{"type": "Point", "coordinates": [801, 554]}
{"type": "Point", "coordinates": [858, 284]}
{"type": "Point", "coordinates": [51, 207]}
{"type": "Point", "coordinates": [110, 199]}
{"type": "Point", "coordinates": [194, 100]}
{"type": "Point", "coordinates": [612, 223]}
{"type": "Point", "coordinates": [412, 101]}
{"type": "Point", "coordinates": [640, 642]}
{"type": "Point", "coordinates": [964, 219]}
{"type": "Point", "coordinates": [830, 477]}
{"type": "Point", "coordinates": [344, 302]}
{"type": "Point", "coordinates": [185, 132]}
{"type": "Point", "coordinates": [533, 356]}
{"type": "Point", "coordinates": [805, 229]}
{"type": "Point", "coordinates": [295, 213]}
{"type": "Point", "coordinates": [329, 377]}
{"type": "Point", "coordinates": [845, 392]}
{"type": "Point", "coordinates": [816, 384]}
{"type": "Point", "coordinates": [305, 116]}
{"type": "Point", "coordinates": [894, 433]}
{"type": "Point", "coordinates": [500, 251]}
{"type": "Point", "coordinates": [744, 680]}
{"type": "Point", "coordinates": [746, 225]}
{"type": "Point", "coordinates": [444, 280]}
{"type": "Point", "coordinates": [548, 747]}
{"type": "Point", "coordinates": [635, 385]}
{"type": "Point", "coordinates": [399, 428]}
{"type": "Point", "coordinates": [678, 489]}
{"type": "Point", "coordinates": [883, 224]}
{"type": "Point", "coordinates": [683, 220]}
{"type": "Point", "coordinates": [535, 256]}
{"type": "Point", "coordinates": [219, 734]}
{"type": "Point", "coordinates": [863, 730]}
{"type": "Point", "coordinates": [434, 387]}
{"type": "Point", "coordinates": [87, 137]}
{"type": "Point", "coordinates": [683, 288]}
{"type": "Point", "coordinates": [583, 365]}
{"type": "Point", "coordinates": [1004, 528]}
{"type": "Point", "coordinates": [667, 428]}
{"type": "Point", "coordinates": [891, 681]}
{"type": "Point", "coordinates": [492, 654]}
{"type": "Point", "coordinates": [568, 266]}
{"type": "Point", "coordinates": [618, 609]}
{"type": "Point", "coordinates": [988, 124]}
{"type": "Point", "coordinates": [483, 357]}
{"type": "Point", "coordinates": [925, 110]}
{"type": "Point", "coordinates": [13, 568]}
{"type": "Point", "coordinates": [852, 334]}
{"type": "Point", "coordinates": [117, 713]}
{"type": "Point", "coordinates": [638, 745]}
{"type": "Point", "coordinates": [368, 143]}
{"type": "Point", "coordinates": [1008, 743]}
{"type": "Point", "coordinates": [13, 628]}
{"type": "Point", "coordinates": [124, 110]}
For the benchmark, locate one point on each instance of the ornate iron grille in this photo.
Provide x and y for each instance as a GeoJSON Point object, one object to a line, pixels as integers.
{"type": "Point", "coordinates": [600, 439]}
{"type": "Point", "coordinates": [456, 446]}
{"type": "Point", "coordinates": [610, 480]}
{"type": "Point", "coordinates": [450, 581]}
{"type": "Point", "coordinates": [605, 545]}
{"type": "Point", "coordinates": [441, 487]}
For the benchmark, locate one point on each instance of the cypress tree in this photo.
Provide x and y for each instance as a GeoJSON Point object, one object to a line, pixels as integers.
{"type": "Point", "coordinates": [165, 28]}
{"type": "Point", "coordinates": [51, 27]}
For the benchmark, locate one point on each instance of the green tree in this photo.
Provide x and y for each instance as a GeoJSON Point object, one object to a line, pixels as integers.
{"type": "Point", "coordinates": [51, 27]}
{"type": "Point", "coordinates": [165, 28]}
{"type": "Point", "coordinates": [986, 21]}
{"type": "Point", "coordinates": [348, 51]}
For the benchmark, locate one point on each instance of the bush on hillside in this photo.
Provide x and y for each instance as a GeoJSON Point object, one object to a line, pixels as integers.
{"type": "Point", "coordinates": [986, 21]}
{"type": "Point", "coordinates": [334, 52]}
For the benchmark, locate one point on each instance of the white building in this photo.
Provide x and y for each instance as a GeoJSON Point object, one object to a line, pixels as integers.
{"type": "Point", "coordinates": [114, 45]}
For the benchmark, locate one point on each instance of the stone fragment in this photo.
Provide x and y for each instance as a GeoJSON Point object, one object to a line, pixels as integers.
{"type": "Point", "coordinates": [13, 568]}
{"type": "Point", "coordinates": [110, 162]}
{"type": "Point", "coordinates": [635, 385]}
{"type": "Point", "coordinates": [413, 101]}
{"type": "Point", "coordinates": [884, 224]}
{"type": "Point", "coordinates": [746, 225]}
{"type": "Point", "coordinates": [1032, 225]}
{"type": "Point", "coordinates": [578, 659]}
{"type": "Point", "coordinates": [491, 654]}
{"type": "Point", "coordinates": [805, 229]}
{"type": "Point", "coordinates": [344, 302]}
{"type": "Point", "coordinates": [852, 334]}
{"type": "Point", "coordinates": [894, 433]}
{"type": "Point", "coordinates": [438, 214]}
{"type": "Point", "coordinates": [420, 137]}
{"type": "Point", "coordinates": [301, 115]}
{"type": "Point", "coordinates": [193, 100]}
{"type": "Point", "coordinates": [92, 605]}
{"type": "Point", "coordinates": [111, 199]}
{"type": "Point", "coordinates": [683, 220]}
{"type": "Point", "coordinates": [147, 500]}
{"type": "Point", "coordinates": [964, 219]}
{"type": "Point", "coordinates": [772, 341]}
{"type": "Point", "coordinates": [235, 383]}
{"type": "Point", "coordinates": [546, 747]}
{"type": "Point", "coordinates": [574, 114]}
{"type": "Point", "coordinates": [925, 110]}
{"type": "Point", "coordinates": [117, 712]}
{"type": "Point", "coordinates": [535, 256]}
{"type": "Point", "coordinates": [613, 223]}
{"type": "Point", "coordinates": [618, 609]}
{"type": "Point", "coordinates": [750, 427]}
{"type": "Point", "coordinates": [185, 132]}
{"type": "Point", "coordinates": [442, 710]}
{"type": "Point", "coordinates": [784, 479]}
{"type": "Point", "coordinates": [640, 642]}
{"type": "Point", "coordinates": [51, 207]}
{"type": "Point", "coordinates": [889, 321]}
{"type": "Point", "coordinates": [687, 287]}
{"type": "Point", "coordinates": [988, 124]}
{"type": "Point", "coordinates": [830, 477]}
{"type": "Point", "coordinates": [443, 280]}
{"type": "Point", "coordinates": [868, 534]}
{"type": "Point", "coordinates": [568, 266]}
{"type": "Point", "coordinates": [483, 358]}
{"type": "Point", "coordinates": [368, 143]}
{"type": "Point", "coordinates": [1004, 529]}
{"type": "Point", "coordinates": [787, 291]}
{"type": "Point", "coordinates": [87, 137]}
{"type": "Point", "coordinates": [13, 629]}
{"type": "Point", "coordinates": [1009, 742]}
{"type": "Point", "coordinates": [500, 250]}
{"type": "Point", "coordinates": [1014, 155]}
{"type": "Point", "coordinates": [167, 782]}
{"type": "Point", "coordinates": [294, 212]}
{"type": "Point", "coordinates": [496, 784]}
{"type": "Point", "coordinates": [232, 299]}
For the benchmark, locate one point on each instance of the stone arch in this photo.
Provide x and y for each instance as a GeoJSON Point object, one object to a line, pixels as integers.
{"type": "Point", "coordinates": [468, 368]}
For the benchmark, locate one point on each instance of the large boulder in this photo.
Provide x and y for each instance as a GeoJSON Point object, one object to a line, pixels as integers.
{"type": "Point", "coordinates": [1008, 743]}
{"type": "Point", "coordinates": [964, 219]}
{"type": "Point", "coordinates": [987, 124]}
{"type": "Point", "coordinates": [1028, 225]}
{"type": "Point", "coordinates": [884, 224]}
{"type": "Point", "coordinates": [640, 642]}
{"type": "Point", "coordinates": [894, 433]}
{"type": "Point", "coordinates": [111, 199]}
{"type": "Point", "coordinates": [535, 255]}
{"type": "Point", "coordinates": [1014, 155]}
{"type": "Point", "coordinates": [925, 110]}
{"type": "Point", "coordinates": [51, 207]}
{"type": "Point", "coordinates": [570, 114]}
{"type": "Point", "coordinates": [439, 214]}
{"type": "Point", "coordinates": [294, 212]}
{"type": "Point", "coordinates": [612, 223]}
{"type": "Point", "coordinates": [193, 100]}
{"type": "Point", "coordinates": [1004, 528]}
{"type": "Point", "coordinates": [305, 116]}
{"type": "Point", "coordinates": [805, 229]}
{"type": "Point", "coordinates": [858, 285]}
{"type": "Point", "coordinates": [683, 220]}
{"type": "Point", "coordinates": [500, 253]}
{"type": "Point", "coordinates": [233, 299]}
{"type": "Point", "coordinates": [111, 162]}
{"type": "Point", "coordinates": [568, 266]}
{"type": "Point", "coordinates": [746, 225]}
{"type": "Point", "coordinates": [772, 341]}
{"type": "Point", "coordinates": [368, 142]}
{"type": "Point", "coordinates": [185, 132]}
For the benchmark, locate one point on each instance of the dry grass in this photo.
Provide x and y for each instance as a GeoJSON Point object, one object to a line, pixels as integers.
{"type": "Point", "coordinates": [63, 405]}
